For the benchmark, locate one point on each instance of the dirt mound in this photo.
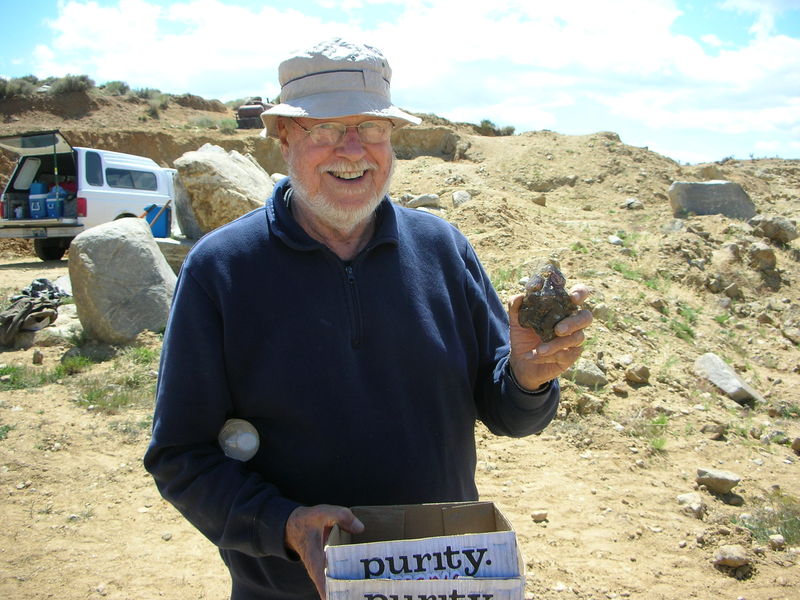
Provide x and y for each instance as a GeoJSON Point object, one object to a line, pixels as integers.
{"type": "Point", "coordinates": [198, 103]}
{"type": "Point", "coordinates": [74, 105]}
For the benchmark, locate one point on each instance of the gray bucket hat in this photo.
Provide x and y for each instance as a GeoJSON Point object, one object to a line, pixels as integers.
{"type": "Point", "coordinates": [335, 79]}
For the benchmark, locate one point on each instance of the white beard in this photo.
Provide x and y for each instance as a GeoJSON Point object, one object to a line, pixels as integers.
{"type": "Point", "coordinates": [342, 220]}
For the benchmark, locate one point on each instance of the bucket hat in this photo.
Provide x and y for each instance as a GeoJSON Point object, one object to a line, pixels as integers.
{"type": "Point", "coordinates": [335, 79]}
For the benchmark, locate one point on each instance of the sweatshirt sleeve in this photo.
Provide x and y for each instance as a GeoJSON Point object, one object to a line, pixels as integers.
{"type": "Point", "coordinates": [231, 505]}
{"type": "Point", "coordinates": [502, 405]}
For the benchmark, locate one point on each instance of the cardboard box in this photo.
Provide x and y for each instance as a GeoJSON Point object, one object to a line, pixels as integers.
{"type": "Point", "coordinates": [450, 551]}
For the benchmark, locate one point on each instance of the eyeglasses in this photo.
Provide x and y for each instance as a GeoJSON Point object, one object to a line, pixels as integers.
{"type": "Point", "coordinates": [331, 133]}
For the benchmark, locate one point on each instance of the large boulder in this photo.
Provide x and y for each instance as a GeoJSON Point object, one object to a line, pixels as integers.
{"type": "Point", "coordinates": [710, 198]}
{"type": "Point", "coordinates": [121, 282]}
{"type": "Point", "coordinates": [219, 187]}
{"type": "Point", "coordinates": [184, 213]}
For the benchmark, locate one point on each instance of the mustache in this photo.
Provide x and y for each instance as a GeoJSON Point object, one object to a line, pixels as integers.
{"type": "Point", "coordinates": [346, 165]}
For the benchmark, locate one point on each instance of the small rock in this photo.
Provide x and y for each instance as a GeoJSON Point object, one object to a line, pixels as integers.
{"type": "Point", "coordinates": [717, 481]}
{"type": "Point", "coordinates": [539, 515]}
{"type": "Point", "coordinates": [762, 257]}
{"type": "Point", "coordinates": [624, 361]}
{"type": "Point", "coordinates": [638, 374]}
{"type": "Point", "coordinates": [461, 197]}
{"type": "Point", "coordinates": [659, 304]}
{"type": "Point", "coordinates": [540, 200]}
{"type": "Point", "coordinates": [715, 431]}
{"type": "Point", "coordinates": [615, 240]}
{"type": "Point", "coordinates": [731, 555]}
{"type": "Point", "coordinates": [38, 357]}
{"type": "Point", "coordinates": [778, 229]}
{"type": "Point", "coordinates": [620, 389]}
{"type": "Point", "coordinates": [431, 200]}
{"type": "Point", "coordinates": [732, 499]}
{"type": "Point", "coordinates": [711, 367]}
{"type": "Point", "coordinates": [765, 319]}
{"type": "Point", "coordinates": [586, 373]}
{"type": "Point", "coordinates": [166, 537]}
{"type": "Point", "coordinates": [777, 542]}
{"type": "Point", "coordinates": [632, 204]}
{"type": "Point", "coordinates": [733, 291]}
{"type": "Point", "coordinates": [693, 504]}
{"type": "Point", "coordinates": [588, 404]}
{"type": "Point", "coordinates": [792, 334]}
{"type": "Point", "coordinates": [796, 445]}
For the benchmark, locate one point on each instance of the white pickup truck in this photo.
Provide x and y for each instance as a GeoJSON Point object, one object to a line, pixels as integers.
{"type": "Point", "coordinates": [56, 191]}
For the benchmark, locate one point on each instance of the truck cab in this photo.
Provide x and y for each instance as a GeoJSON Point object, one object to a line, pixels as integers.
{"type": "Point", "coordinates": [57, 191]}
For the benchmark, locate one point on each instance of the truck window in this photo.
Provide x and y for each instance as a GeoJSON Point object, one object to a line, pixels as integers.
{"type": "Point", "coordinates": [27, 173]}
{"type": "Point", "coordinates": [94, 169]}
{"type": "Point", "coordinates": [129, 178]}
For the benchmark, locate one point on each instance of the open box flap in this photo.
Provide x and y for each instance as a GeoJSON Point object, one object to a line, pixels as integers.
{"type": "Point", "coordinates": [415, 521]}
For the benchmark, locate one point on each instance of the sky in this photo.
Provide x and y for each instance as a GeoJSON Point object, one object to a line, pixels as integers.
{"type": "Point", "coordinates": [694, 80]}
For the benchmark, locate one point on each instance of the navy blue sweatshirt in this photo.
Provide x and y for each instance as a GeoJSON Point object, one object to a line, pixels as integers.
{"type": "Point", "coordinates": [364, 380]}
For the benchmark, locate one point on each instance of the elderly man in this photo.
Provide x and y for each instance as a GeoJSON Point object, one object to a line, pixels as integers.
{"type": "Point", "coordinates": [359, 340]}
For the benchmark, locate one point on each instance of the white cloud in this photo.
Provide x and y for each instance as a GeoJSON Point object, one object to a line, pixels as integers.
{"type": "Point", "coordinates": [711, 40]}
{"type": "Point", "coordinates": [517, 112]}
{"type": "Point", "coordinates": [768, 146]}
{"type": "Point", "coordinates": [680, 110]}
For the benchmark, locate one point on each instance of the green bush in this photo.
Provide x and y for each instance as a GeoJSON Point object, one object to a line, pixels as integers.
{"type": "Point", "coordinates": [72, 83]}
{"type": "Point", "coordinates": [116, 88]}
{"type": "Point", "coordinates": [778, 514]}
{"type": "Point", "coordinates": [160, 100]}
{"type": "Point", "coordinates": [201, 122]}
{"type": "Point", "coordinates": [490, 129]}
{"type": "Point", "coordinates": [3, 88]}
{"type": "Point", "coordinates": [4, 429]}
{"type": "Point", "coordinates": [152, 110]}
{"type": "Point", "coordinates": [19, 86]}
{"type": "Point", "coordinates": [227, 126]}
{"type": "Point", "coordinates": [146, 93]}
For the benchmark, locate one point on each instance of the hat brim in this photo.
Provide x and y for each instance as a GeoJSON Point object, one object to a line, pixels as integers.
{"type": "Point", "coordinates": [334, 105]}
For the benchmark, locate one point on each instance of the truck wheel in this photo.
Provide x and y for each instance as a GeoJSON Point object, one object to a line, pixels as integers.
{"type": "Point", "coordinates": [51, 248]}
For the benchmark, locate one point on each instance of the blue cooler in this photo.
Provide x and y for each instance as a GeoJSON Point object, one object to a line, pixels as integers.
{"type": "Point", "coordinates": [38, 187]}
{"type": "Point", "coordinates": [54, 208]}
{"type": "Point", "coordinates": [161, 227]}
{"type": "Point", "coordinates": [37, 204]}
{"type": "Point", "coordinates": [55, 202]}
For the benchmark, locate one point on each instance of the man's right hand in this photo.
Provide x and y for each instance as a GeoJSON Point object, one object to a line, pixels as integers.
{"type": "Point", "coordinates": [307, 530]}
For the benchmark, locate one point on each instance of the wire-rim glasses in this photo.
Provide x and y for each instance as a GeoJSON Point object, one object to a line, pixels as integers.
{"type": "Point", "coordinates": [331, 133]}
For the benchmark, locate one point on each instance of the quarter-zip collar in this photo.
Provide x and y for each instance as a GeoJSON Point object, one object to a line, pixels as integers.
{"type": "Point", "coordinates": [283, 225]}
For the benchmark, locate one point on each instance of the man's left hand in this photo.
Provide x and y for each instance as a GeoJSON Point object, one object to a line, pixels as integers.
{"type": "Point", "coordinates": [534, 362]}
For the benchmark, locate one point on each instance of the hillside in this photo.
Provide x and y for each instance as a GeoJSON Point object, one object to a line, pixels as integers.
{"type": "Point", "coordinates": [82, 512]}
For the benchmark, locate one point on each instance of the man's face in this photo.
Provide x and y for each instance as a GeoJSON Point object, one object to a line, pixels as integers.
{"type": "Point", "coordinates": [343, 184]}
